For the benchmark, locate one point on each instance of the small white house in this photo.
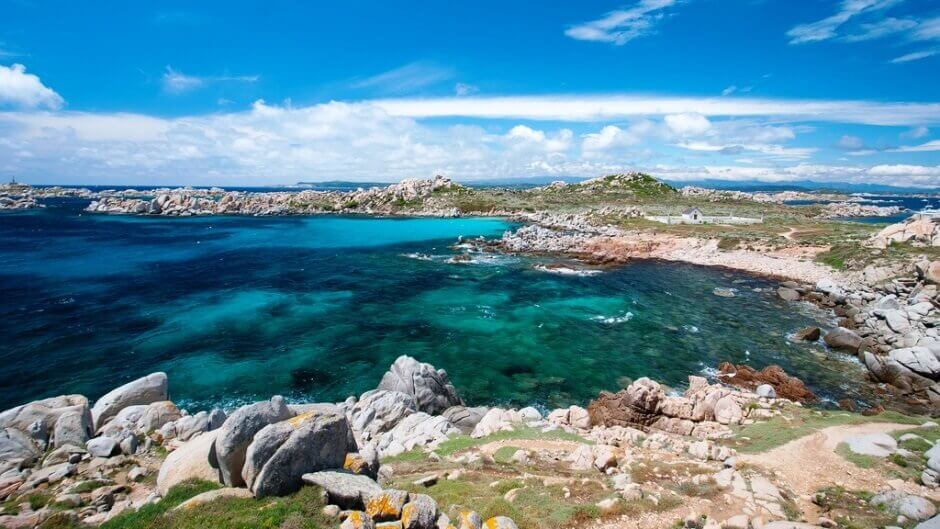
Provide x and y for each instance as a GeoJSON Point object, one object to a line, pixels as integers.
{"type": "Point", "coordinates": [693, 216]}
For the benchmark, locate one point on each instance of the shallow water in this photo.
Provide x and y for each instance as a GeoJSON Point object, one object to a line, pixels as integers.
{"type": "Point", "coordinates": [316, 308]}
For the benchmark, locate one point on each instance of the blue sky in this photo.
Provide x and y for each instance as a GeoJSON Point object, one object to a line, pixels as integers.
{"type": "Point", "coordinates": [276, 92]}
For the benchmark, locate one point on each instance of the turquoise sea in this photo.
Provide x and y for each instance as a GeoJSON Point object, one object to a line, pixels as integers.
{"type": "Point", "coordinates": [316, 308]}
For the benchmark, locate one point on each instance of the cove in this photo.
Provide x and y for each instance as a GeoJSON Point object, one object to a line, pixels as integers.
{"type": "Point", "coordinates": [315, 308]}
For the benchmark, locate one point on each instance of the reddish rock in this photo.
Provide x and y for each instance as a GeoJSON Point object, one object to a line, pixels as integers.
{"type": "Point", "coordinates": [638, 405]}
{"type": "Point", "coordinates": [747, 377]}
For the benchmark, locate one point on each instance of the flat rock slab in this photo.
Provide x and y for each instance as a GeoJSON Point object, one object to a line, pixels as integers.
{"type": "Point", "coordinates": [873, 444]}
{"type": "Point", "coordinates": [349, 491]}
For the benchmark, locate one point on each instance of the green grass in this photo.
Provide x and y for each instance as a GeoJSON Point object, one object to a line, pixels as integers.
{"type": "Point", "coordinates": [504, 454]}
{"type": "Point", "coordinates": [87, 486]}
{"type": "Point", "coordinates": [799, 422]}
{"type": "Point", "coordinates": [859, 460]}
{"type": "Point", "coordinates": [850, 509]}
{"type": "Point", "coordinates": [464, 442]}
{"type": "Point", "coordinates": [535, 506]}
{"type": "Point", "coordinates": [301, 510]}
{"type": "Point", "coordinates": [36, 500]}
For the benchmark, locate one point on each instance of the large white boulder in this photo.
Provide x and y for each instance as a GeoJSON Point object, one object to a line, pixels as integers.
{"type": "Point", "coordinates": [430, 388]}
{"type": "Point", "coordinates": [145, 390]}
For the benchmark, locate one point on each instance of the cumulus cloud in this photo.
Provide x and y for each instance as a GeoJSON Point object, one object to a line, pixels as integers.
{"type": "Point", "coordinates": [524, 137]}
{"type": "Point", "coordinates": [25, 90]}
{"type": "Point", "coordinates": [688, 124]}
{"type": "Point", "coordinates": [621, 26]}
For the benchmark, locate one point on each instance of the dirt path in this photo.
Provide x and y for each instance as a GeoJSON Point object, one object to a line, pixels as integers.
{"type": "Point", "coordinates": [788, 235]}
{"type": "Point", "coordinates": [811, 463]}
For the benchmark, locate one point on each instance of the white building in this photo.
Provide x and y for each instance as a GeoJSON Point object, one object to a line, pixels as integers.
{"type": "Point", "coordinates": [692, 216]}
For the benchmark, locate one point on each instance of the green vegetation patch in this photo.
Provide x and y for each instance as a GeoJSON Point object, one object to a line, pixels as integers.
{"type": "Point", "coordinates": [850, 509]}
{"type": "Point", "coordinates": [301, 510]}
{"type": "Point", "coordinates": [464, 442]}
{"type": "Point", "coordinates": [532, 504]}
{"type": "Point", "coordinates": [797, 422]}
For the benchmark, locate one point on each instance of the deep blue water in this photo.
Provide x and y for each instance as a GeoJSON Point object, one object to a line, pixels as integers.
{"type": "Point", "coordinates": [910, 205]}
{"type": "Point", "coordinates": [316, 308]}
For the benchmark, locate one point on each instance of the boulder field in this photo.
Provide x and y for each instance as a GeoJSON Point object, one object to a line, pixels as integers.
{"type": "Point", "coordinates": [128, 449]}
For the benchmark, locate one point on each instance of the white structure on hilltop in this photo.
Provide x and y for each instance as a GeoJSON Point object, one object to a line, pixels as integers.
{"type": "Point", "coordinates": [695, 216]}
{"type": "Point", "coordinates": [692, 216]}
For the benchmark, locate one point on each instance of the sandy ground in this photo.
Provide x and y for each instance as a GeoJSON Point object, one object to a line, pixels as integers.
{"type": "Point", "coordinates": [794, 264]}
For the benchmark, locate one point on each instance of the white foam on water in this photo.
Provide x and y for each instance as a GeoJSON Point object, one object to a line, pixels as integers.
{"type": "Point", "coordinates": [613, 320]}
{"type": "Point", "coordinates": [565, 271]}
{"type": "Point", "coordinates": [690, 328]}
{"type": "Point", "coordinates": [418, 256]}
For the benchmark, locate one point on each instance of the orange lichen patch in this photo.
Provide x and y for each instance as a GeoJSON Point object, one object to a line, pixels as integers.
{"type": "Point", "coordinates": [469, 520]}
{"type": "Point", "coordinates": [354, 463]}
{"type": "Point", "coordinates": [407, 514]}
{"type": "Point", "coordinates": [300, 419]}
{"type": "Point", "coordinates": [386, 506]}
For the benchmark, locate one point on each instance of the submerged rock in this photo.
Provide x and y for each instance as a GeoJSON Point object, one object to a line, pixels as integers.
{"type": "Point", "coordinates": [843, 339]}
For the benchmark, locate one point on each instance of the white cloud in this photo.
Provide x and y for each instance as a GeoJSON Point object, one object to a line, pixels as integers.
{"type": "Point", "coordinates": [688, 124]}
{"type": "Point", "coordinates": [612, 136]}
{"type": "Point", "coordinates": [881, 28]}
{"type": "Point", "coordinates": [621, 26]}
{"type": "Point", "coordinates": [930, 146]}
{"type": "Point", "coordinates": [729, 90]}
{"type": "Point", "coordinates": [176, 82]}
{"type": "Point", "coordinates": [850, 143]}
{"type": "Point", "coordinates": [25, 90]}
{"type": "Point", "coordinates": [777, 152]}
{"type": "Point", "coordinates": [916, 132]}
{"type": "Point", "coordinates": [828, 27]}
{"type": "Point", "coordinates": [908, 175]}
{"type": "Point", "coordinates": [915, 56]}
{"type": "Point", "coordinates": [407, 78]}
{"type": "Point", "coordinates": [596, 108]}
{"type": "Point", "coordinates": [525, 137]}
{"type": "Point", "coordinates": [928, 30]}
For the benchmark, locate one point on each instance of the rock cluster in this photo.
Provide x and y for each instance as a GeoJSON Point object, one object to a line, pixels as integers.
{"type": "Point", "coordinates": [407, 197]}
{"type": "Point", "coordinates": [781, 384]}
{"type": "Point", "coordinates": [703, 411]}
{"type": "Point", "coordinates": [836, 210]}
{"type": "Point", "coordinates": [919, 229]}
{"type": "Point", "coordinates": [893, 328]}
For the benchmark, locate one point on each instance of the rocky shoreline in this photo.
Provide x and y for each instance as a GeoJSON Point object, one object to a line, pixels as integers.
{"type": "Point", "coordinates": [94, 462]}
